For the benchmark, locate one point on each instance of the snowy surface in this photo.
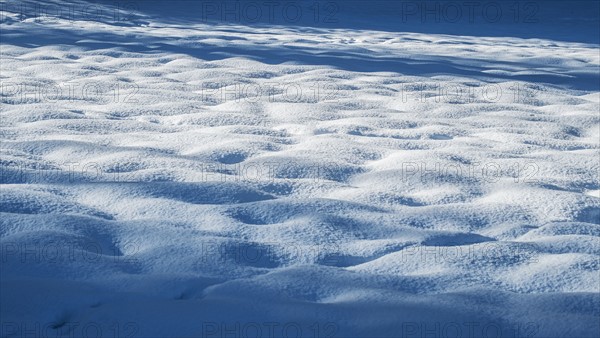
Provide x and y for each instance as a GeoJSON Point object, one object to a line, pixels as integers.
{"type": "Point", "coordinates": [165, 176]}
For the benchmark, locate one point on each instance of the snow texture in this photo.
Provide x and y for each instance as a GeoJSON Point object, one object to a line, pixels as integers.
{"type": "Point", "coordinates": [362, 169]}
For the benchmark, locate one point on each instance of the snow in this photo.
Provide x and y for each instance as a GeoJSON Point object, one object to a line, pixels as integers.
{"type": "Point", "coordinates": [169, 176]}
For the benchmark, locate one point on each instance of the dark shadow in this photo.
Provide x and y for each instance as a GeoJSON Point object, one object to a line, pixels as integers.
{"type": "Point", "coordinates": [350, 58]}
{"type": "Point", "coordinates": [574, 21]}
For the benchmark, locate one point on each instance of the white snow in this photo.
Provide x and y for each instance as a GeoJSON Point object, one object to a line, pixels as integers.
{"type": "Point", "coordinates": [169, 177]}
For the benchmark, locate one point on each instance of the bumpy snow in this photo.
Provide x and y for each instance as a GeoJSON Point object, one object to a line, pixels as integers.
{"type": "Point", "coordinates": [165, 177]}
